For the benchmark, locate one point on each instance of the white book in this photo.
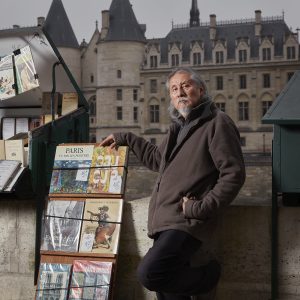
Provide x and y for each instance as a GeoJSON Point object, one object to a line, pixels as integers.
{"type": "Point", "coordinates": [8, 170]}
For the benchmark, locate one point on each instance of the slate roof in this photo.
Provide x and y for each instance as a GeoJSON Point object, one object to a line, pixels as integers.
{"type": "Point", "coordinates": [286, 107]}
{"type": "Point", "coordinates": [229, 32]}
{"type": "Point", "coordinates": [123, 25]}
{"type": "Point", "coordinates": [59, 27]}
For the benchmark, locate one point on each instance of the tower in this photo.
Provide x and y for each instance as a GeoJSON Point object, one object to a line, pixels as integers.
{"type": "Point", "coordinates": [194, 14]}
{"type": "Point", "coordinates": [120, 55]}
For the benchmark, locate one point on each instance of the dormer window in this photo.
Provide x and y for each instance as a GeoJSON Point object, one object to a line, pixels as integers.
{"type": "Point", "coordinates": [175, 60]}
{"type": "Point", "coordinates": [153, 61]}
{"type": "Point", "coordinates": [291, 52]}
{"type": "Point", "coordinates": [196, 58]}
{"type": "Point", "coordinates": [219, 57]}
{"type": "Point", "coordinates": [242, 55]}
{"type": "Point", "coordinates": [266, 53]}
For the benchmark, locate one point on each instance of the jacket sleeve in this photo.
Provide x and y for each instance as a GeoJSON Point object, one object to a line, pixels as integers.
{"type": "Point", "coordinates": [147, 153]}
{"type": "Point", "coordinates": [226, 153]}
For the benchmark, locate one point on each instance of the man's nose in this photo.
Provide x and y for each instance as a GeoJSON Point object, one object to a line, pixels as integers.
{"type": "Point", "coordinates": [181, 91]}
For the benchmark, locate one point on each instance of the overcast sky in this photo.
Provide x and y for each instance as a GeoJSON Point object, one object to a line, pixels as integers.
{"type": "Point", "coordinates": [156, 14]}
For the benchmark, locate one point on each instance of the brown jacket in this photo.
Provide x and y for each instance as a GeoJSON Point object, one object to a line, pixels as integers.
{"type": "Point", "coordinates": [201, 160]}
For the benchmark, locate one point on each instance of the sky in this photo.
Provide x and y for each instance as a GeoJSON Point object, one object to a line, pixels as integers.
{"type": "Point", "coordinates": [158, 15]}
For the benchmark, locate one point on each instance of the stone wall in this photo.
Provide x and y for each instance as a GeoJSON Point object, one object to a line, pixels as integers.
{"type": "Point", "coordinates": [241, 243]}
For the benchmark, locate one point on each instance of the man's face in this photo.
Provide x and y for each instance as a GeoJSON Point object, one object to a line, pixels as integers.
{"type": "Point", "coordinates": [184, 93]}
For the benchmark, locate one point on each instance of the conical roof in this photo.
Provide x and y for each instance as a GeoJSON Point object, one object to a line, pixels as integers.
{"type": "Point", "coordinates": [123, 25]}
{"type": "Point", "coordinates": [59, 27]}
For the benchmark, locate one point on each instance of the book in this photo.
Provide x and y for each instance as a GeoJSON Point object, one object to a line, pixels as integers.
{"type": "Point", "coordinates": [89, 168]}
{"type": "Point", "coordinates": [62, 224]}
{"type": "Point", "coordinates": [46, 103]}
{"type": "Point", "coordinates": [2, 149]}
{"type": "Point", "coordinates": [108, 174]}
{"type": "Point", "coordinates": [22, 125]}
{"type": "Point", "coordinates": [15, 148]}
{"type": "Point", "coordinates": [8, 170]}
{"type": "Point", "coordinates": [69, 103]}
{"type": "Point", "coordinates": [100, 231]}
{"type": "Point", "coordinates": [90, 280]}
{"type": "Point", "coordinates": [8, 127]}
{"type": "Point", "coordinates": [71, 168]}
{"type": "Point", "coordinates": [25, 70]}
{"type": "Point", "coordinates": [53, 281]}
{"type": "Point", "coordinates": [7, 79]}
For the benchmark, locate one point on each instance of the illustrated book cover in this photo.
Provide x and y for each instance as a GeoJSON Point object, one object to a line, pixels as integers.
{"type": "Point", "coordinates": [89, 168]}
{"type": "Point", "coordinates": [71, 168]}
{"type": "Point", "coordinates": [101, 226]}
{"type": "Point", "coordinates": [108, 170]}
{"type": "Point", "coordinates": [90, 280]}
{"type": "Point", "coordinates": [53, 281]}
{"type": "Point", "coordinates": [25, 70]}
{"type": "Point", "coordinates": [61, 226]}
{"type": "Point", "coordinates": [7, 79]}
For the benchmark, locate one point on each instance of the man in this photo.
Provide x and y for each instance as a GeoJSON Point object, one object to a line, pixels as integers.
{"type": "Point", "coordinates": [201, 170]}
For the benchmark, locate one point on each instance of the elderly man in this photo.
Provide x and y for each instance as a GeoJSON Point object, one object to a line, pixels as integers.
{"type": "Point", "coordinates": [200, 171]}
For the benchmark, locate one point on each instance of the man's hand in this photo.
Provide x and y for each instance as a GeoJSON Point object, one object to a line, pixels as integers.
{"type": "Point", "coordinates": [185, 200]}
{"type": "Point", "coordinates": [109, 141]}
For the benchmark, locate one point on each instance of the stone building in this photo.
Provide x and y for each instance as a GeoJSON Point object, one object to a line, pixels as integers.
{"type": "Point", "coordinates": [245, 64]}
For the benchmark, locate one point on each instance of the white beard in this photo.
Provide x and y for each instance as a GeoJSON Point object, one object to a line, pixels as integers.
{"type": "Point", "coordinates": [185, 111]}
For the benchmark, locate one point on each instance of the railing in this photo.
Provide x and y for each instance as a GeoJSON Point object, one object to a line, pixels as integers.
{"type": "Point", "coordinates": [231, 22]}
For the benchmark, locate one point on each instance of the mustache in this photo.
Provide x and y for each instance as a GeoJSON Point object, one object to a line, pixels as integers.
{"type": "Point", "coordinates": [182, 100]}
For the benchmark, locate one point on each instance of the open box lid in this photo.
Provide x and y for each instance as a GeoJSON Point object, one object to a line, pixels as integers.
{"type": "Point", "coordinates": [45, 54]}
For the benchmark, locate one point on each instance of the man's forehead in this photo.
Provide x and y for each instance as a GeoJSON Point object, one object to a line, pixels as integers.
{"type": "Point", "coordinates": [180, 78]}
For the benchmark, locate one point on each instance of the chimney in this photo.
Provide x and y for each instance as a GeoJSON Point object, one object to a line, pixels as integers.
{"type": "Point", "coordinates": [40, 21]}
{"type": "Point", "coordinates": [257, 22]}
{"type": "Point", "coordinates": [105, 23]}
{"type": "Point", "coordinates": [212, 27]}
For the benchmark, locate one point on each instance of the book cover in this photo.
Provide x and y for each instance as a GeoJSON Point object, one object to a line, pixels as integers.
{"type": "Point", "coordinates": [46, 103]}
{"type": "Point", "coordinates": [14, 148]}
{"type": "Point", "coordinates": [7, 79]}
{"type": "Point", "coordinates": [71, 169]}
{"type": "Point", "coordinates": [62, 223]}
{"type": "Point", "coordinates": [8, 169]}
{"type": "Point", "coordinates": [69, 102]}
{"type": "Point", "coordinates": [90, 280]}
{"type": "Point", "coordinates": [8, 127]}
{"type": "Point", "coordinates": [25, 70]}
{"type": "Point", "coordinates": [53, 281]}
{"type": "Point", "coordinates": [108, 172]}
{"type": "Point", "coordinates": [101, 226]}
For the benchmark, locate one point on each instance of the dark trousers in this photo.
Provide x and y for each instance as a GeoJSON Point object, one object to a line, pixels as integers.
{"type": "Point", "coordinates": [166, 268]}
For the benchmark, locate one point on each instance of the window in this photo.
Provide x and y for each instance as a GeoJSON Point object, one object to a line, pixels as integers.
{"type": "Point", "coordinates": [93, 107]}
{"type": "Point", "coordinates": [289, 75]}
{"type": "Point", "coordinates": [242, 55]}
{"type": "Point", "coordinates": [243, 141]}
{"type": "Point", "coordinates": [135, 114]}
{"type": "Point", "coordinates": [219, 57]}
{"type": "Point", "coordinates": [291, 52]}
{"type": "Point", "coordinates": [265, 106]}
{"type": "Point", "coordinates": [196, 58]}
{"type": "Point", "coordinates": [153, 86]}
{"type": "Point", "coordinates": [119, 113]}
{"type": "Point", "coordinates": [154, 113]}
{"type": "Point", "coordinates": [221, 106]}
{"type": "Point", "coordinates": [135, 95]}
{"type": "Point", "coordinates": [266, 81]}
{"type": "Point", "coordinates": [119, 94]}
{"type": "Point", "coordinates": [119, 73]}
{"type": "Point", "coordinates": [153, 61]}
{"type": "Point", "coordinates": [219, 82]}
{"type": "Point", "coordinates": [243, 81]}
{"type": "Point", "coordinates": [175, 60]}
{"type": "Point", "coordinates": [243, 111]}
{"type": "Point", "coordinates": [266, 53]}
{"type": "Point", "coordinates": [92, 78]}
